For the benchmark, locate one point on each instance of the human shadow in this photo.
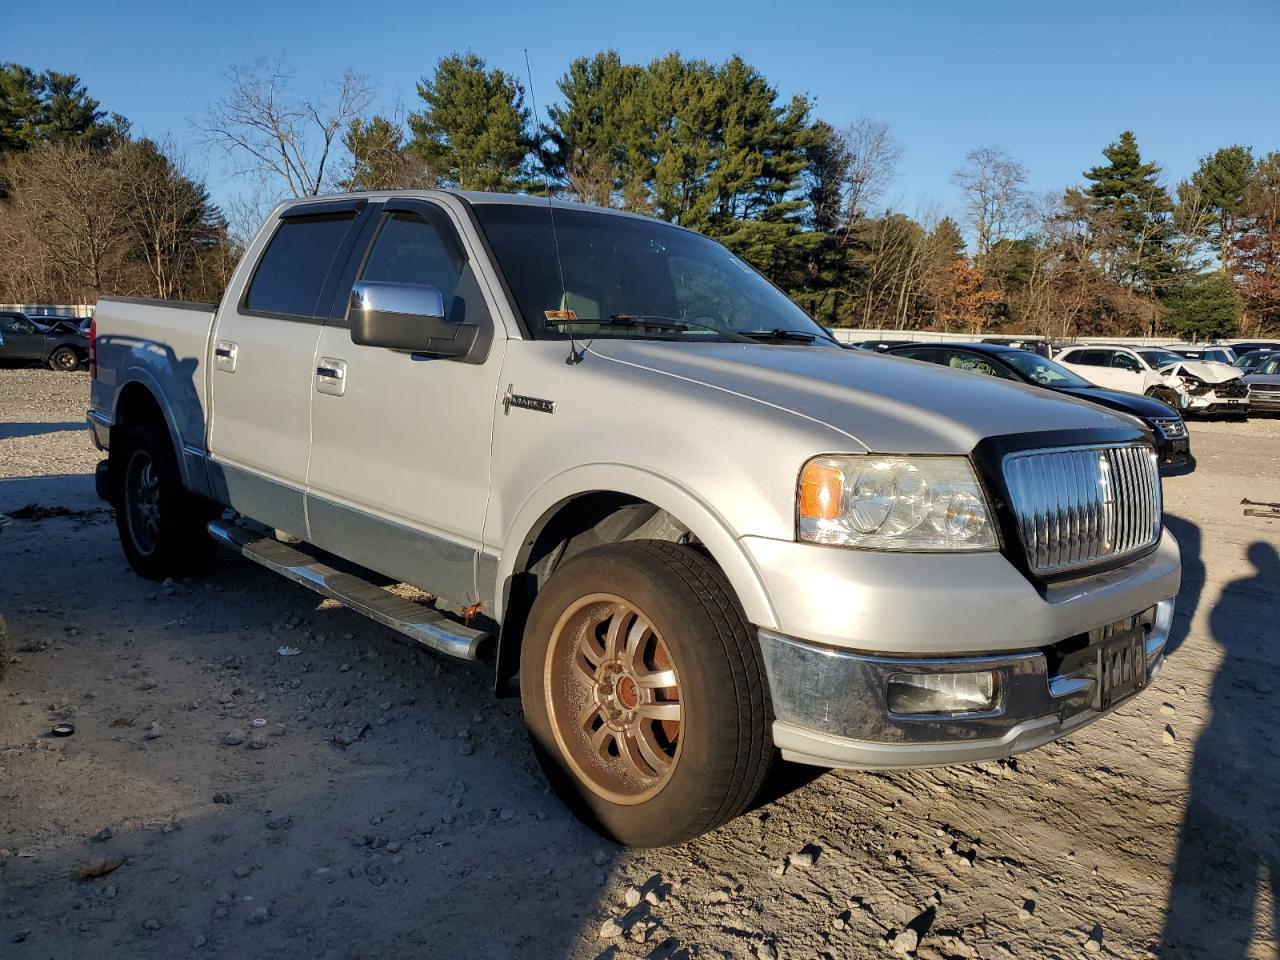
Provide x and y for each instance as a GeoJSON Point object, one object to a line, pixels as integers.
{"type": "Point", "coordinates": [1229, 847]}
{"type": "Point", "coordinates": [1188, 536]}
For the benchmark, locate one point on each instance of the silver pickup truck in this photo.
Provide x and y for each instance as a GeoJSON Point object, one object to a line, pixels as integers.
{"type": "Point", "coordinates": [621, 466]}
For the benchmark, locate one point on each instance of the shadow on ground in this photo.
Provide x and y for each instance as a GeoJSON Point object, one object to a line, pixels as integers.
{"type": "Point", "coordinates": [1225, 861]}
{"type": "Point", "coordinates": [12, 431]}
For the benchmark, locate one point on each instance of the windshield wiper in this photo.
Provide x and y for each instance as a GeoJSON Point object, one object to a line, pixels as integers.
{"type": "Point", "coordinates": [798, 336]}
{"type": "Point", "coordinates": [648, 320]}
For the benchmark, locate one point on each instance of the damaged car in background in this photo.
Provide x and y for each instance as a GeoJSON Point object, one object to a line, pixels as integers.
{"type": "Point", "coordinates": [1193, 387]}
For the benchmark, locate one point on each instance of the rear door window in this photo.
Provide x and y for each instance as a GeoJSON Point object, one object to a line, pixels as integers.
{"type": "Point", "coordinates": [1088, 358]}
{"type": "Point", "coordinates": [967, 360]}
{"type": "Point", "coordinates": [291, 274]}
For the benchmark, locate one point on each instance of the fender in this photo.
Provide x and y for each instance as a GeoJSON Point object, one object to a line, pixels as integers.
{"type": "Point", "coordinates": [192, 458]}
{"type": "Point", "coordinates": [634, 481]}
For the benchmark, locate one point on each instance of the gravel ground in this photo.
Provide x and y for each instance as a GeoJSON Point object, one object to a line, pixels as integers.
{"type": "Point", "coordinates": [388, 806]}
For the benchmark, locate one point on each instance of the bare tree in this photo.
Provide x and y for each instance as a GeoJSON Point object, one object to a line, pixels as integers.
{"type": "Point", "coordinates": [68, 201]}
{"type": "Point", "coordinates": [168, 212]}
{"type": "Point", "coordinates": [872, 156]}
{"type": "Point", "coordinates": [995, 199]}
{"type": "Point", "coordinates": [280, 139]}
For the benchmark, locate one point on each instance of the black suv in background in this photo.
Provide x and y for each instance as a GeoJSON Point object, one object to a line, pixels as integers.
{"type": "Point", "coordinates": [23, 340]}
{"type": "Point", "coordinates": [1173, 445]}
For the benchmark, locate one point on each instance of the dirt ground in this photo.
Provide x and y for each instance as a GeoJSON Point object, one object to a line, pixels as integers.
{"type": "Point", "coordinates": [390, 807]}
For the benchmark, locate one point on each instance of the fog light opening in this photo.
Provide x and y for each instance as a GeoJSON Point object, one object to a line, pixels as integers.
{"type": "Point", "coordinates": [916, 694]}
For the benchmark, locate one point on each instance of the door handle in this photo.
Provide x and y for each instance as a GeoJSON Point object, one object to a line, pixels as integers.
{"type": "Point", "coordinates": [331, 376]}
{"type": "Point", "coordinates": [225, 353]}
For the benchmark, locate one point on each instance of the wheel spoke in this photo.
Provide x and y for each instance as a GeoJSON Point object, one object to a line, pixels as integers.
{"type": "Point", "coordinates": [583, 671]}
{"type": "Point", "coordinates": [587, 714]}
{"type": "Point", "coordinates": [639, 629]}
{"type": "Point", "coordinates": [600, 740]}
{"type": "Point", "coordinates": [616, 622]}
{"type": "Point", "coordinates": [590, 645]}
{"type": "Point", "coordinates": [659, 711]}
{"type": "Point", "coordinates": [656, 679]}
{"type": "Point", "coordinates": [649, 749]}
{"type": "Point", "coordinates": [629, 752]}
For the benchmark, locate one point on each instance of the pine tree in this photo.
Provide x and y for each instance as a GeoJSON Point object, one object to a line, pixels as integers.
{"type": "Point", "coordinates": [1130, 213]}
{"type": "Point", "coordinates": [474, 130]}
{"type": "Point", "coordinates": [1206, 307]}
{"type": "Point", "coordinates": [1218, 187]}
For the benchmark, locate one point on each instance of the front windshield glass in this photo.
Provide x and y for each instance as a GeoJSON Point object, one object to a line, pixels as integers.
{"type": "Point", "coordinates": [1039, 370]}
{"type": "Point", "coordinates": [1160, 359]}
{"type": "Point", "coordinates": [628, 277]}
{"type": "Point", "coordinates": [1269, 367]}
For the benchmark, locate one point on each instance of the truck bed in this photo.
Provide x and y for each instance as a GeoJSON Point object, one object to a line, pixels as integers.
{"type": "Point", "coordinates": [162, 343]}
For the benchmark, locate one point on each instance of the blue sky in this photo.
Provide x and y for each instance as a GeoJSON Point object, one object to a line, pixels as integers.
{"type": "Point", "coordinates": [1051, 82]}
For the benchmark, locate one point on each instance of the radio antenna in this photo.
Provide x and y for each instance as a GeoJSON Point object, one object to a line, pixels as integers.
{"type": "Point", "coordinates": [575, 355]}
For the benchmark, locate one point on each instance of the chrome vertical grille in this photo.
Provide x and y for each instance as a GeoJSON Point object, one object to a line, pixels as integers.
{"type": "Point", "coordinates": [1078, 506]}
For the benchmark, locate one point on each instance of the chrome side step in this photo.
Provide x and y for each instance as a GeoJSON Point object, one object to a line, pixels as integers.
{"type": "Point", "coordinates": [426, 626]}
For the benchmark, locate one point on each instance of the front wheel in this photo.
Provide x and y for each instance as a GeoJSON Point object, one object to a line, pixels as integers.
{"type": "Point", "coordinates": [65, 359]}
{"type": "Point", "coordinates": [162, 525]}
{"type": "Point", "coordinates": [643, 689]}
{"type": "Point", "coordinates": [1165, 395]}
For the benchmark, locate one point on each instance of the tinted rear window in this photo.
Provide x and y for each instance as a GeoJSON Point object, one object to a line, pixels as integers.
{"type": "Point", "coordinates": [292, 271]}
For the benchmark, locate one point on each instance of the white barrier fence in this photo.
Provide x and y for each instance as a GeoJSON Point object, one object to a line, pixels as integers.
{"type": "Point", "coordinates": [856, 335]}
{"type": "Point", "coordinates": [77, 310]}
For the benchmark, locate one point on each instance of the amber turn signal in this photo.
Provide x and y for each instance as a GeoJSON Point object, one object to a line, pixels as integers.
{"type": "Point", "coordinates": [821, 487]}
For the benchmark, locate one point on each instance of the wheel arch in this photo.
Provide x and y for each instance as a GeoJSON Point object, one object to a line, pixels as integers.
{"type": "Point", "coordinates": [137, 403]}
{"type": "Point", "coordinates": [600, 504]}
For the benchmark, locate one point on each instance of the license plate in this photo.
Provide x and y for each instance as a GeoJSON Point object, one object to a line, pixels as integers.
{"type": "Point", "coordinates": [1121, 669]}
{"type": "Point", "coordinates": [1232, 403]}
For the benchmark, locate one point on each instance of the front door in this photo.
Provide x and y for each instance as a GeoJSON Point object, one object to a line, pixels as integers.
{"type": "Point", "coordinates": [399, 475]}
{"type": "Point", "coordinates": [263, 365]}
{"type": "Point", "coordinates": [21, 338]}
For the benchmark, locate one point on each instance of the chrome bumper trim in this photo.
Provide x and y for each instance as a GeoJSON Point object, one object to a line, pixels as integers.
{"type": "Point", "coordinates": [831, 705]}
{"type": "Point", "coordinates": [99, 428]}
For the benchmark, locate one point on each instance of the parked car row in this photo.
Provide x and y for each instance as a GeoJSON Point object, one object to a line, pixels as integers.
{"type": "Point", "coordinates": [60, 342]}
{"type": "Point", "coordinates": [1191, 379]}
{"type": "Point", "coordinates": [1173, 445]}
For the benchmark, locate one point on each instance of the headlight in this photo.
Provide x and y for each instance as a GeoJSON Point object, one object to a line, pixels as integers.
{"type": "Point", "coordinates": [894, 503]}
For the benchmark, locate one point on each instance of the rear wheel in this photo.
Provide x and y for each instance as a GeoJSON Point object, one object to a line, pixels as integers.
{"type": "Point", "coordinates": [65, 359]}
{"type": "Point", "coordinates": [162, 525]}
{"type": "Point", "coordinates": [644, 693]}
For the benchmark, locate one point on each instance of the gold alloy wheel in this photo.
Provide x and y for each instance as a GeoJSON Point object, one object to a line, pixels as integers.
{"type": "Point", "coordinates": [613, 694]}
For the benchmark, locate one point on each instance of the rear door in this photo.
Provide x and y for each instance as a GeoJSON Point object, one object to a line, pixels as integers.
{"type": "Point", "coordinates": [399, 475]}
{"type": "Point", "coordinates": [263, 364]}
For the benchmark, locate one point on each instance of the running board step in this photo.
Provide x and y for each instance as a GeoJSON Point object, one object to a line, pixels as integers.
{"type": "Point", "coordinates": [426, 626]}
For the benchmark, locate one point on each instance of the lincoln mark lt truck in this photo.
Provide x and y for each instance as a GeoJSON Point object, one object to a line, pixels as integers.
{"type": "Point", "coordinates": [620, 466]}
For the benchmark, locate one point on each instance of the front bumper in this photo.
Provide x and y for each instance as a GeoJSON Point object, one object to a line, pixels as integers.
{"type": "Point", "coordinates": [832, 709]}
{"type": "Point", "coordinates": [1264, 401]}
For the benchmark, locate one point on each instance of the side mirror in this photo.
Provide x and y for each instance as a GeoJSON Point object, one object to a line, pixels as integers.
{"type": "Point", "coordinates": [406, 316]}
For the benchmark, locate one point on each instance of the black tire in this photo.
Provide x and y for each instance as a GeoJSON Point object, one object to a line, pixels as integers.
{"type": "Point", "coordinates": [65, 359]}
{"type": "Point", "coordinates": [1164, 395]}
{"type": "Point", "coordinates": [163, 527]}
{"type": "Point", "coordinates": [725, 748]}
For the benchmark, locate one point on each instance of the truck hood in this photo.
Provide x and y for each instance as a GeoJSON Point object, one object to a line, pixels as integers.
{"type": "Point", "coordinates": [886, 404]}
{"type": "Point", "coordinates": [1210, 371]}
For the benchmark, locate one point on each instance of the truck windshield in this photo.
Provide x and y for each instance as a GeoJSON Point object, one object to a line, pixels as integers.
{"type": "Point", "coordinates": [634, 278]}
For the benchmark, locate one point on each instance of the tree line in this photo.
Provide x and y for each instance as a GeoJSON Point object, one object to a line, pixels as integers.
{"type": "Point", "coordinates": [88, 210]}
{"type": "Point", "coordinates": [714, 147]}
